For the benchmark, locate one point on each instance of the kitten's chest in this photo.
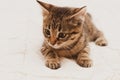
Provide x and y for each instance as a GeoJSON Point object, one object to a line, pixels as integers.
{"type": "Point", "coordinates": [71, 52]}
{"type": "Point", "coordinates": [66, 53]}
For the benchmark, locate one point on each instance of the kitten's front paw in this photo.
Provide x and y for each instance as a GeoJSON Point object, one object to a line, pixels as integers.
{"type": "Point", "coordinates": [101, 42]}
{"type": "Point", "coordinates": [53, 64]}
{"type": "Point", "coordinates": [85, 62]}
{"type": "Point", "coordinates": [42, 49]}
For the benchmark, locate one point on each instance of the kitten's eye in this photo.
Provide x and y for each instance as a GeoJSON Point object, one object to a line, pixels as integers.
{"type": "Point", "coordinates": [61, 35]}
{"type": "Point", "coordinates": [47, 31]}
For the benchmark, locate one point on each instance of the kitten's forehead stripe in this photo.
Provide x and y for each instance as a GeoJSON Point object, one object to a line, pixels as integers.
{"type": "Point", "coordinates": [54, 24]}
{"type": "Point", "coordinates": [59, 29]}
{"type": "Point", "coordinates": [48, 26]}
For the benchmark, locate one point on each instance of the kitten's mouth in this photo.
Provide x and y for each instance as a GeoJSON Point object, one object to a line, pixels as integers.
{"type": "Point", "coordinates": [56, 46]}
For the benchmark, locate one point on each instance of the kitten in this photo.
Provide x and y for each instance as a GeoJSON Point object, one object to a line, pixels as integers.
{"type": "Point", "coordinates": [67, 32]}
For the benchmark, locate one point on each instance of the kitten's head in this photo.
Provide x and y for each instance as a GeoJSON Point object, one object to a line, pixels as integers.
{"type": "Point", "coordinates": [62, 26]}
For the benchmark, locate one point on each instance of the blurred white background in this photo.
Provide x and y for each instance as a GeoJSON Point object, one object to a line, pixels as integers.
{"type": "Point", "coordinates": [21, 38]}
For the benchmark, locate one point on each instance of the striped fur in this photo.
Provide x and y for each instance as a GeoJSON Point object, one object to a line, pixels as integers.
{"type": "Point", "coordinates": [67, 33]}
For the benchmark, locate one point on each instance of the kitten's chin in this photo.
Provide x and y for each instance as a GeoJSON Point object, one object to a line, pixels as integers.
{"type": "Point", "coordinates": [55, 46]}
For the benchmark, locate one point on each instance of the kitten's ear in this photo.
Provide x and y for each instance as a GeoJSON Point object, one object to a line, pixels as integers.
{"type": "Point", "coordinates": [79, 13]}
{"type": "Point", "coordinates": [46, 7]}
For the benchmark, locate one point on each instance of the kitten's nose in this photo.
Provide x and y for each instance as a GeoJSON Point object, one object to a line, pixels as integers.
{"type": "Point", "coordinates": [52, 41]}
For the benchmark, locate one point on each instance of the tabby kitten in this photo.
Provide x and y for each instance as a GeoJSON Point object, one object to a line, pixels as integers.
{"type": "Point", "coordinates": [67, 32]}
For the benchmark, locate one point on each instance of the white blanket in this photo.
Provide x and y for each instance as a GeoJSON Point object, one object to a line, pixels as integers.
{"type": "Point", "coordinates": [21, 38]}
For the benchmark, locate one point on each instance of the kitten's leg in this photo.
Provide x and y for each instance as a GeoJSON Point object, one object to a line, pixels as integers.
{"type": "Point", "coordinates": [100, 40]}
{"type": "Point", "coordinates": [94, 33]}
{"type": "Point", "coordinates": [52, 60]}
{"type": "Point", "coordinates": [83, 58]}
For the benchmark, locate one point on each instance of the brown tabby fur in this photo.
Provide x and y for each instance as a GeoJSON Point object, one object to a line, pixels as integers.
{"type": "Point", "coordinates": [67, 32]}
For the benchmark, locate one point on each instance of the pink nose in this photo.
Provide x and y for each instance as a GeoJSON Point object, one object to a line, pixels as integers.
{"type": "Point", "coordinates": [52, 41]}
